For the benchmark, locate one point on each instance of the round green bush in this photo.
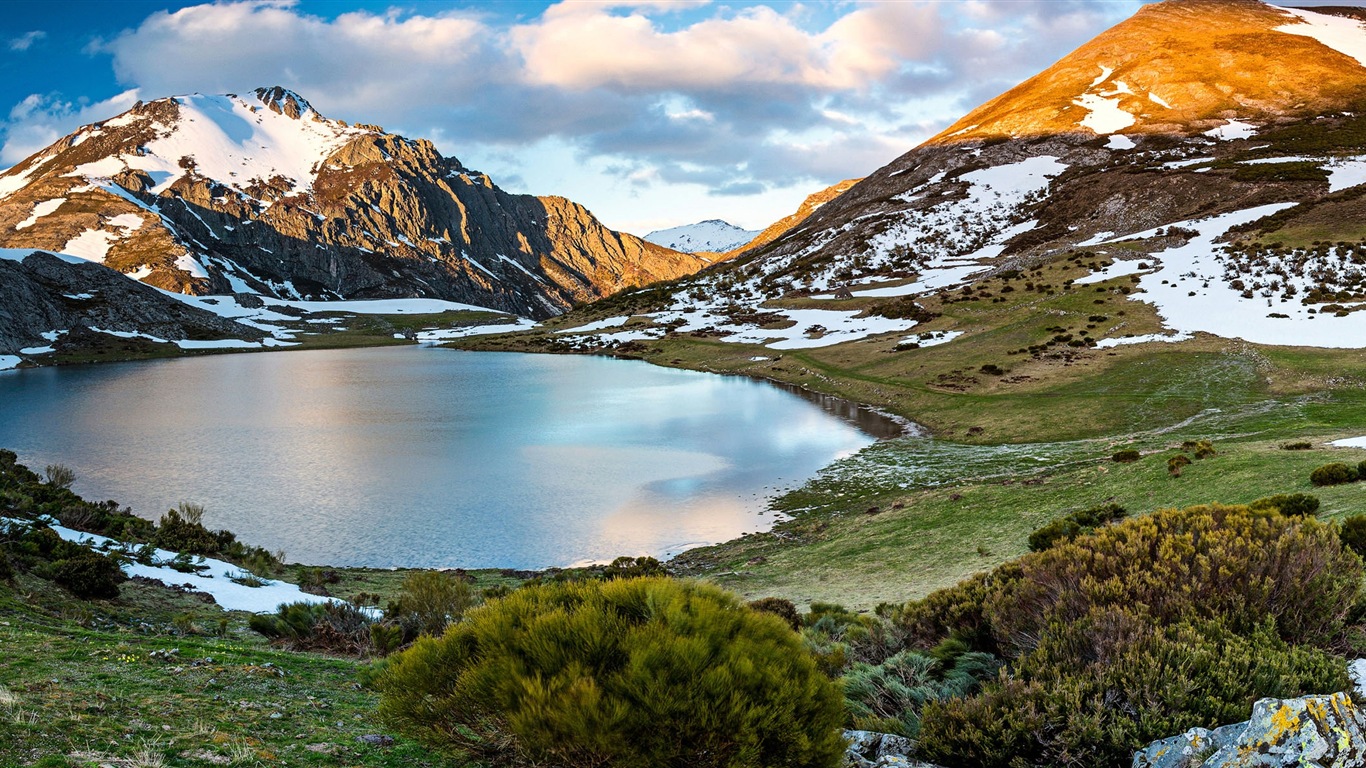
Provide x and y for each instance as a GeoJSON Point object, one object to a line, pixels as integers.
{"type": "Point", "coordinates": [1290, 504]}
{"type": "Point", "coordinates": [628, 672]}
{"type": "Point", "coordinates": [89, 575]}
{"type": "Point", "coordinates": [1353, 534]}
{"type": "Point", "coordinates": [1126, 456]}
{"type": "Point", "coordinates": [1336, 473]}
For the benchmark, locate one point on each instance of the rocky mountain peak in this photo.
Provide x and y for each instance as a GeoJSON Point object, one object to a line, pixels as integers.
{"type": "Point", "coordinates": [283, 101]}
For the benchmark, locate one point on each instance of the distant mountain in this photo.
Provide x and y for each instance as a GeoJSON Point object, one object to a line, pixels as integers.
{"type": "Point", "coordinates": [1205, 157]}
{"type": "Point", "coordinates": [710, 236]}
{"type": "Point", "coordinates": [262, 194]}
{"type": "Point", "coordinates": [809, 206]}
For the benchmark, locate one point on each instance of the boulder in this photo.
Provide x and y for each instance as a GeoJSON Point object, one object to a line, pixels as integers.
{"type": "Point", "coordinates": [1313, 731]}
{"type": "Point", "coordinates": [869, 749]}
{"type": "Point", "coordinates": [1189, 749]}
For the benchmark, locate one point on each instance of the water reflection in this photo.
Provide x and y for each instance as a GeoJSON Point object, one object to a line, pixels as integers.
{"type": "Point", "coordinates": [424, 457]}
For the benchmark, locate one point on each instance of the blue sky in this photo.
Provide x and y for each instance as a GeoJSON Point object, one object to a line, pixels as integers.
{"type": "Point", "coordinates": [652, 113]}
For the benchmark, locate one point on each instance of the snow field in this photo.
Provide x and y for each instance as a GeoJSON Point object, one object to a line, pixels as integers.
{"type": "Point", "coordinates": [215, 579]}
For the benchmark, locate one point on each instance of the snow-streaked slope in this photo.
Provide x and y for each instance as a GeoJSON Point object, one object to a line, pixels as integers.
{"type": "Point", "coordinates": [232, 141]}
{"type": "Point", "coordinates": [711, 235]}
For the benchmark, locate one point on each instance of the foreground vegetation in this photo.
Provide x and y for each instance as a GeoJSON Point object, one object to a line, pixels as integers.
{"type": "Point", "coordinates": [1122, 626]}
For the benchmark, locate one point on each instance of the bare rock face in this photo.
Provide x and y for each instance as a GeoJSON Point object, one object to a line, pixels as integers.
{"type": "Point", "coordinates": [219, 194]}
{"type": "Point", "coordinates": [40, 293]}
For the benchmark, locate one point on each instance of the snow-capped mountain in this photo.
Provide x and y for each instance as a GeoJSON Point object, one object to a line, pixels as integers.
{"type": "Point", "coordinates": [710, 236]}
{"type": "Point", "coordinates": [262, 194]}
{"type": "Point", "coordinates": [1205, 157]}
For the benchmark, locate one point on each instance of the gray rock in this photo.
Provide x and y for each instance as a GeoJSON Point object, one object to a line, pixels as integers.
{"type": "Point", "coordinates": [377, 739]}
{"type": "Point", "coordinates": [1309, 732]}
{"type": "Point", "coordinates": [869, 749]}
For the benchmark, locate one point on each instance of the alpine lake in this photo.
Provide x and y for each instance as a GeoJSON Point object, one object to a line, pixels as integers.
{"type": "Point", "coordinates": [422, 457]}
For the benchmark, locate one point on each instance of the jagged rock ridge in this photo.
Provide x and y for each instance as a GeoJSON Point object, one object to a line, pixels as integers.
{"type": "Point", "coordinates": [217, 194]}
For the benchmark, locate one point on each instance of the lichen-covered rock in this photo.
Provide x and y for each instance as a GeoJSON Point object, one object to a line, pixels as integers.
{"type": "Point", "coordinates": [1322, 731]}
{"type": "Point", "coordinates": [1314, 731]}
{"type": "Point", "coordinates": [1189, 749]}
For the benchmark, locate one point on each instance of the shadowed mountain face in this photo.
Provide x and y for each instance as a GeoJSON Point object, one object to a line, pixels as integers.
{"type": "Point", "coordinates": [217, 194]}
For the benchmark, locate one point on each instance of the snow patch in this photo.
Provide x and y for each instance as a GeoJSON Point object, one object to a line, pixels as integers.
{"type": "Point", "coordinates": [442, 334]}
{"type": "Point", "coordinates": [1350, 442]}
{"type": "Point", "coordinates": [1120, 142]}
{"type": "Point", "coordinates": [1233, 129]}
{"type": "Point", "coordinates": [91, 245]}
{"type": "Point", "coordinates": [189, 264]}
{"type": "Point", "coordinates": [1117, 268]}
{"type": "Point", "coordinates": [1103, 114]}
{"type": "Point", "coordinates": [1343, 174]}
{"type": "Point", "coordinates": [1190, 292]}
{"type": "Point", "coordinates": [9, 361]}
{"type": "Point", "coordinates": [39, 211]}
{"type": "Point", "coordinates": [215, 578]}
{"type": "Point", "coordinates": [1344, 35]}
{"type": "Point", "coordinates": [1158, 100]}
{"type": "Point", "coordinates": [1144, 339]}
{"type": "Point", "coordinates": [932, 338]}
{"type": "Point", "coordinates": [598, 325]}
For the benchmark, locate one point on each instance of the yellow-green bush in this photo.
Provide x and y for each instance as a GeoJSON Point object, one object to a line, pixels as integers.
{"type": "Point", "coordinates": [1139, 630]}
{"type": "Point", "coordinates": [428, 601]}
{"type": "Point", "coordinates": [629, 672]}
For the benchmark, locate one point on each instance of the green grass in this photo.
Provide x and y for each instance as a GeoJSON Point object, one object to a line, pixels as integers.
{"type": "Point", "coordinates": [907, 517]}
{"type": "Point", "coordinates": [80, 681]}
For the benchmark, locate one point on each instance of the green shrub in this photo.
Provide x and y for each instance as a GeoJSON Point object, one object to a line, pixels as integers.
{"type": "Point", "coordinates": [89, 575]}
{"type": "Point", "coordinates": [1177, 463]}
{"type": "Point", "coordinates": [782, 608]}
{"type": "Point", "coordinates": [1157, 681]}
{"type": "Point", "coordinates": [1336, 473]}
{"type": "Point", "coordinates": [628, 672]}
{"type": "Point", "coordinates": [1290, 504]}
{"type": "Point", "coordinates": [1300, 446]}
{"type": "Point", "coordinates": [631, 567]}
{"type": "Point", "coordinates": [1075, 524]}
{"type": "Point", "coordinates": [332, 626]}
{"type": "Point", "coordinates": [1126, 456]}
{"type": "Point", "coordinates": [1353, 534]}
{"type": "Point", "coordinates": [1235, 563]}
{"type": "Point", "coordinates": [428, 602]}
{"type": "Point", "coordinates": [182, 530]}
{"type": "Point", "coordinates": [1140, 630]}
{"type": "Point", "coordinates": [889, 697]}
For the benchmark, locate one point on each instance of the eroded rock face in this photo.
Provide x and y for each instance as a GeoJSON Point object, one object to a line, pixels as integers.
{"type": "Point", "coordinates": [1318, 731]}
{"type": "Point", "coordinates": [221, 194]}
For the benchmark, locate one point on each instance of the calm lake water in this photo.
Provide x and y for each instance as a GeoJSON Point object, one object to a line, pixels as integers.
{"type": "Point", "coordinates": [428, 457]}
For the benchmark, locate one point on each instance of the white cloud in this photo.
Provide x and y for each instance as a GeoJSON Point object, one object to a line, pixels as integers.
{"type": "Point", "coordinates": [26, 40]}
{"type": "Point", "coordinates": [39, 120]}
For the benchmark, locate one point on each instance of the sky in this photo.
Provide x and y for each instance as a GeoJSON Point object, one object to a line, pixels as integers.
{"type": "Point", "coordinates": [652, 113]}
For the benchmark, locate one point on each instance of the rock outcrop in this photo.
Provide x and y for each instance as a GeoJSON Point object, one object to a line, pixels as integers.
{"type": "Point", "coordinates": [869, 749]}
{"type": "Point", "coordinates": [65, 301]}
{"type": "Point", "coordinates": [1309, 732]}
